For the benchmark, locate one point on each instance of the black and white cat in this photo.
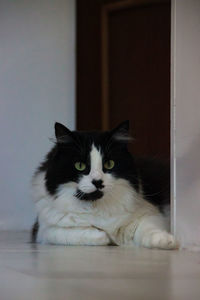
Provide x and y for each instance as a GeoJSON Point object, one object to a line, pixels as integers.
{"type": "Point", "coordinates": [91, 191]}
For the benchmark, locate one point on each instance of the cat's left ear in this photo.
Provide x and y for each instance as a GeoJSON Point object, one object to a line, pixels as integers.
{"type": "Point", "coordinates": [121, 132]}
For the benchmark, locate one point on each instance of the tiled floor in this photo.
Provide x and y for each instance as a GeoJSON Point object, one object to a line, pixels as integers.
{"type": "Point", "coordinates": [94, 273]}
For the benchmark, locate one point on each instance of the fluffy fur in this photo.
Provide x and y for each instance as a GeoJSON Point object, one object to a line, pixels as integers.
{"type": "Point", "coordinates": [100, 206]}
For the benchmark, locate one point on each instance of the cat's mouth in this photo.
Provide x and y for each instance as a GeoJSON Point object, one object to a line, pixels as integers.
{"type": "Point", "coordinates": [93, 196]}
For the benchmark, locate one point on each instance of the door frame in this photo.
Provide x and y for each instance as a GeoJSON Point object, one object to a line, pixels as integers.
{"type": "Point", "coordinates": [172, 127]}
{"type": "Point", "coordinates": [185, 125]}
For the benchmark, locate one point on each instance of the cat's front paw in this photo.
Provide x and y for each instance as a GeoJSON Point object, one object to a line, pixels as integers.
{"type": "Point", "coordinates": [160, 240]}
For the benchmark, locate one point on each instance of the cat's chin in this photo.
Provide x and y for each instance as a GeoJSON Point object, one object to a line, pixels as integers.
{"type": "Point", "coordinates": [93, 196]}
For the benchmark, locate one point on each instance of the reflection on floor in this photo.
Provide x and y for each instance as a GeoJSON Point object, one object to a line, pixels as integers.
{"type": "Point", "coordinates": [94, 273]}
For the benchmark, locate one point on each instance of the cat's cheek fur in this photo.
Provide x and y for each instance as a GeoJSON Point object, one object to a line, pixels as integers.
{"type": "Point", "coordinates": [109, 181]}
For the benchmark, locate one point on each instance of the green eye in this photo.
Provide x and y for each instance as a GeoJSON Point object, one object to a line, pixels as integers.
{"type": "Point", "coordinates": [109, 164]}
{"type": "Point", "coordinates": [80, 166]}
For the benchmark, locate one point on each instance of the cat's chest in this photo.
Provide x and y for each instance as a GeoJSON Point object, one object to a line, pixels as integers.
{"type": "Point", "coordinates": [107, 213]}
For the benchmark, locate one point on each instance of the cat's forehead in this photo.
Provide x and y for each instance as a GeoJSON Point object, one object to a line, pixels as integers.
{"type": "Point", "coordinates": [89, 138]}
{"type": "Point", "coordinates": [82, 142]}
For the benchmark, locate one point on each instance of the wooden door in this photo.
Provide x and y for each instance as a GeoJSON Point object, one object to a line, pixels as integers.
{"type": "Point", "coordinates": [123, 70]}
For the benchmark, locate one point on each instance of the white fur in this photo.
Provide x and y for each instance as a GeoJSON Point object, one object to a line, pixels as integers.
{"type": "Point", "coordinates": [152, 233]}
{"type": "Point", "coordinates": [96, 164]}
{"type": "Point", "coordinates": [96, 172]}
{"type": "Point", "coordinates": [121, 216]}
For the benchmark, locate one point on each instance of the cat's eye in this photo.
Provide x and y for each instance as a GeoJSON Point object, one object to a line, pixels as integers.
{"type": "Point", "coordinates": [80, 166]}
{"type": "Point", "coordinates": [109, 164]}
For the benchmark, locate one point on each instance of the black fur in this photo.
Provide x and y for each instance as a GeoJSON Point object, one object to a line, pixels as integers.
{"type": "Point", "coordinates": [155, 178]}
{"type": "Point", "coordinates": [34, 231]}
{"type": "Point", "coordinates": [89, 196]}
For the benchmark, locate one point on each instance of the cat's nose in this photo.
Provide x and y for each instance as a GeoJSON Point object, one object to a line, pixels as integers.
{"type": "Point", "coordinates": [98, 184]}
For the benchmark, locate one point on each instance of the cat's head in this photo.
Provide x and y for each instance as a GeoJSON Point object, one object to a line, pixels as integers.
{"type": "Point", "coordinates": [91, 161]}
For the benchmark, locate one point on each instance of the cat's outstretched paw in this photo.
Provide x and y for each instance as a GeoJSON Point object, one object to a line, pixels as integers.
{"type": "Point", "coordinates": [160, 240]}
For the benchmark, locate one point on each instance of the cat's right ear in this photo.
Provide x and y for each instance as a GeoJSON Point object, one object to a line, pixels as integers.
{"type": "Point", "coordinates": [62, 133]}
{"type": "Point", "coordinates": [121, 132]}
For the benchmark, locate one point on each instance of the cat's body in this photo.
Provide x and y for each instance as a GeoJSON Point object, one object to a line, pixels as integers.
{"type": "Point", "coordinates": [90, 191]}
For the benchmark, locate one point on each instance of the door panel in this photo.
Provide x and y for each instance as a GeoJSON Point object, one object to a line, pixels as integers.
{"type": "Point", "coordinates": [123, 71]}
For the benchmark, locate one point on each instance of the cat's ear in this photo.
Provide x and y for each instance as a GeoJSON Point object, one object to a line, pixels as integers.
{"type": "Point", "coordinates": [62, 133]}
{"type": "Point", "coordinates": [121, 132]}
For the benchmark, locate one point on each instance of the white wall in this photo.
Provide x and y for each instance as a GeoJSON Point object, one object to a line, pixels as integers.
{"type": "Point", "coordinates": [186, 124]}
{"type": "Point", "coordinates": [37, 88]}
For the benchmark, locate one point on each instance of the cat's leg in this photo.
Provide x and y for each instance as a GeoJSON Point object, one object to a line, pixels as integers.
{"type": "Point", "coordinates": [151, 232]}
{"type": "Point", "coordinates": [73, 236]}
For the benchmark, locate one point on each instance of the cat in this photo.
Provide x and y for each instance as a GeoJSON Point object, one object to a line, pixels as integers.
{"type": "Point", "coordinates": [91, 191]}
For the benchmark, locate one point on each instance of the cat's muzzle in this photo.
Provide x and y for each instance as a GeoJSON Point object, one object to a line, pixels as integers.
{"type": "Point", "coordinates": [93, 196]}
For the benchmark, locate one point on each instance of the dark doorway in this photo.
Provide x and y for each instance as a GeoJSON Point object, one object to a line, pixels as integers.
{"type": "Point", "coordinates": [123, 70]}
